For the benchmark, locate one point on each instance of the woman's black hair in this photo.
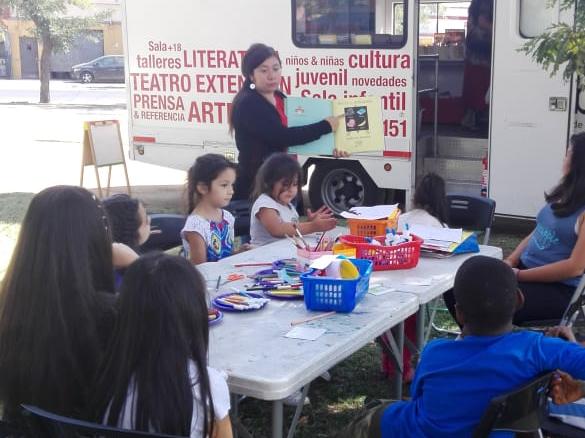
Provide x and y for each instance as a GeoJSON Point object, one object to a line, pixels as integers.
{"type": "Point", "coordinates": [255, 55]}
{"type": "Point", "coordinates": [50, 344]}
{"type": "Point", "coordinates": [278, 167]}
{"type": "Point", "coordinates": [430, 196]}
{"type": "Point", "coordinates": [205, 169]}
{"type": "Point", "coordinates": [162, 325]}
{"type": "Point", "coordinates": [569, 195]}
{"type": "Point", "coordinates": [124, 216]}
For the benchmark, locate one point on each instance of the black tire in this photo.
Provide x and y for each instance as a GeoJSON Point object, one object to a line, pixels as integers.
{"type": "Point", "coordinates": [341, 185]}
{"type": "Point", "coordinates": [86, 77]}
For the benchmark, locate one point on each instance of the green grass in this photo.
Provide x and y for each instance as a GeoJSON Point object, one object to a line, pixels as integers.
{"type": "Point", "coordinates": [333, 404]}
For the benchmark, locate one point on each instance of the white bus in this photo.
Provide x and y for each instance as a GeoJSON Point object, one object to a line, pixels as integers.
{"type": "Point", "coordinates": [183, 69]}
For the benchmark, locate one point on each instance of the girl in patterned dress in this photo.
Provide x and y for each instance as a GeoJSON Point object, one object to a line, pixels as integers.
{"type": "Point", "coordinates": [208, 234]}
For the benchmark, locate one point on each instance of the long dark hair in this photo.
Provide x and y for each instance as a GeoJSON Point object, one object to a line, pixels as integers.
{"type": "Point", "coordinates": [162, 325]}
{"type": "Point", "coordinates": [205, 169]}
{"type": "Point", "coordinates": [49, 343]}
{"type": "Point", "coordinates": [255, 55]}
{"type": "Point", "coordinates": [569, 195]}
{"type": "Point", "coordinates": [430, 197]}
{"type": "Point", "coordinates": [124, 217]}
{"type": "Point", "coordinates": [278, 167]}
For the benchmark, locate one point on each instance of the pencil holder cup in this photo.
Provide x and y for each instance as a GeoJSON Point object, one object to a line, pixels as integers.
{"type": "Point", "coordinates": [306, 257]}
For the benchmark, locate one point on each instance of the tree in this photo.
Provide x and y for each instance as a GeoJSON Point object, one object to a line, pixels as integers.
{"type": "Point", "coordinates": [55, 27]}
{"type": "Point", "coordinates": [561, 45]}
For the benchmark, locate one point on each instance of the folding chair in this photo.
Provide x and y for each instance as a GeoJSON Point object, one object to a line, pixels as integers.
{"type": "Point", "coordinates": [49, 425]}
{"type": "Point", "coordinates": [521, 410]}
{"type": "Point", "coordinates": [471, 212]}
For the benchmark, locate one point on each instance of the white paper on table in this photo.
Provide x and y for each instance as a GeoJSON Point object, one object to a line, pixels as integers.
{"type": "Point", "coordinates": [441, 277]}
{"type": "Point", "coordinates": [436, 233]}
{"type": "Point", "coordinates": [380, 289]}
{"type": "Point", "coordinates": [412, 281]}
{"type": "Point", "coordinates": [370, 213]}
{"type": "Point", "coordinates": [322, 262]}
{"type": "Point", "coordinates": [305, 333]}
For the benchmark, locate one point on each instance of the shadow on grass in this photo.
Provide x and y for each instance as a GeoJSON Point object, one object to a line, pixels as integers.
{"type": "Point", "coordinates": [333, 404]}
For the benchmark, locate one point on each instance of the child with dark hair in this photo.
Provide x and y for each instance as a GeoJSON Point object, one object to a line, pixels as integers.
{"type": "Point", "coordinates": [273, 216]}
{"type": "Point", "coordinates": [56, 303]}
{"type": "Point", "coordinates": [130, 228]}
{"type": "Point", "coordinates": [208, 234]}
{"type": "Point", "coordinates": [456, 379]}
{"type": "Point", "coordinates": [429, 202]}
{"type": "Point", "coordinates": [155, 377]}
{"type": "Point", "coordinates": [128, 219]}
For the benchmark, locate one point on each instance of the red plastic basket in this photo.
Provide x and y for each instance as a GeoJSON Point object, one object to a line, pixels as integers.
{"type": "Point", "coordinates": [386, 258]}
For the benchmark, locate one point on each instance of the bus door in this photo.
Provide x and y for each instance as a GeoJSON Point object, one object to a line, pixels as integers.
{"type": "Point", "coordinates": [529, 112]}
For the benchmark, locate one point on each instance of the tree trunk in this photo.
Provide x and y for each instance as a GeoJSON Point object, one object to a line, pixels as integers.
{"type": "Point", "coordinates": [45, 96]}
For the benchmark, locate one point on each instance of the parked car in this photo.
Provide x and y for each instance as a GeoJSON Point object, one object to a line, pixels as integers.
{"type": "Point", "coordinates": [104, 68]}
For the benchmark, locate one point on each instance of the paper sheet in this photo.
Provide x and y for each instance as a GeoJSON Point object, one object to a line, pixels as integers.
{"type": "Point", "coordinates": [436, 233]}
{"type": "Point", "coordinates": [380, 290]}
{"type": "Point", "coordinates": [371, 213]}
{"type": "Point", "coordinates": [412, 281]}
{"type": "Point", "coordinates": [305, 333]}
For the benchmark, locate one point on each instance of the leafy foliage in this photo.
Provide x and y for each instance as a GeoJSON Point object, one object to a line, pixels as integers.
{"type": "Point", "coordinates": [561, 45]}
{"type": "Point", "coordinates": [53, 19]}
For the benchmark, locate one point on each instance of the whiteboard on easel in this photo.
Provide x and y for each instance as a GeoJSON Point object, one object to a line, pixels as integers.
{"type": "Point", "coordinates": [106, 143]}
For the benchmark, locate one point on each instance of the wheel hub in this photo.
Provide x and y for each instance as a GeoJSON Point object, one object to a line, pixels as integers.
{"type": "Point", "coordinates": [342, 189]}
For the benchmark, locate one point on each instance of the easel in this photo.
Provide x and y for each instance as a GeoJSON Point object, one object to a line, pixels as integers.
{"type": "Point", "coordinates": [102, 146]}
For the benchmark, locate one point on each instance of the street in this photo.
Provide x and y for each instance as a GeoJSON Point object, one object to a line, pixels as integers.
{"type": "Point", "coordinates": [41, 144]}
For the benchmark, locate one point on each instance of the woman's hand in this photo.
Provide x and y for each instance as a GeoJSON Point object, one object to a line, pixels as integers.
{"type": "Point", "coordinates": [333, 122]}
{"type": "Point", "coordinates": [338, 153]}
{"type": "Point", "coordinates": [565, 389]}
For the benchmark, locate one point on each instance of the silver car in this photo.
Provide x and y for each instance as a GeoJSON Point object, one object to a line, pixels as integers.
{"type": "Point", "coordinates": [104, 68]}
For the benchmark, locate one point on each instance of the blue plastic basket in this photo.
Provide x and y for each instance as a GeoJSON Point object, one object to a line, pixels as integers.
{"type": "Point", "coordinates": [326, 293]}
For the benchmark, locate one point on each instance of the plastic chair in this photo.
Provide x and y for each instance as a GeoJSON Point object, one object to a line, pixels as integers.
{"type": "Point", "coordinates": [167, 234]}
{"type": "Point", "coordinates": [49, 425]}
{"type": "Point", "coordinates": [241, 211]}
{"type": "Point", "coordinates": [521, 410]}
{"type": "Point", "coordinates": [557, 429]}
{"type": "Point", "coordinates": [472, 212]}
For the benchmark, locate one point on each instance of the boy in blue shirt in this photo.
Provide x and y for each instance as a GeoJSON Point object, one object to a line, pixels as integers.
{"type": "Point", "coordinates": [456, 379]}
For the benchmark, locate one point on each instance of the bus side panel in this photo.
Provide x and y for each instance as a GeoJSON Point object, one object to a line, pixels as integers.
{"type": "Point", "coordinates": [183, 75]}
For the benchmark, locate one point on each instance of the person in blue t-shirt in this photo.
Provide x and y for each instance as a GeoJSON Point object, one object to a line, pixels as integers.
{"type": "Point", "coordinates": [550, 261]}
{"type": "Point", "coordinates": [456, 379]}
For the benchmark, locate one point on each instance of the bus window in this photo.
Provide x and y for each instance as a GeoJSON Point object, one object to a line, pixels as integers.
{"type": "Point", "coordinates": [349, 23]}
{"type": "Point", "coordinates": [536, 16]}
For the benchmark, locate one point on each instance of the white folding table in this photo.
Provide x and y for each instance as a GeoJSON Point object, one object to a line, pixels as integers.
{"type": "Point", "coordinates": [262, 363]}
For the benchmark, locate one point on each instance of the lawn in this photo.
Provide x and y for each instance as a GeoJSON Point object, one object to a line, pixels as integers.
{"type": "Point", "coordinates": [333, 403]}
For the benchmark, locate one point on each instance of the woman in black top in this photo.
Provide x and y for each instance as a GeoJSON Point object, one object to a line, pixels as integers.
{"type": "Point", "coordinates": [258, 119]}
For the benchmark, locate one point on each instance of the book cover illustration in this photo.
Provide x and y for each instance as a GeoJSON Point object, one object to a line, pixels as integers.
{"type": "Point", "coordinates": [359, 130]}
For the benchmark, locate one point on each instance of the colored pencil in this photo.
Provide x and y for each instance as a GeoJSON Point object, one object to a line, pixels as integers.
{"type": "Point", "coordinates": [312, 318]}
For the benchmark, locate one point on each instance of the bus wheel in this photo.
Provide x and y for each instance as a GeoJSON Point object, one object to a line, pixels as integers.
{"type": "Point", "coordinates": [341, 185]}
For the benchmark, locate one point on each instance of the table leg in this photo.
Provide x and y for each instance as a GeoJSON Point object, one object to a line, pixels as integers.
{"type": "Point", "coordinates": [277, 419]}
{"type": "Point", "coordinates": [399, 338]}
{"type": "Point", "coordinates": [235, 413]}
{"type": "Point", "coordinates": [420, 327]}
